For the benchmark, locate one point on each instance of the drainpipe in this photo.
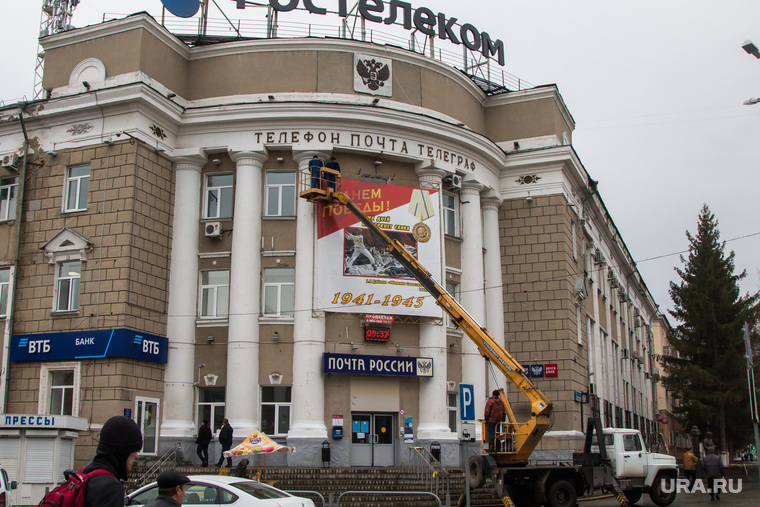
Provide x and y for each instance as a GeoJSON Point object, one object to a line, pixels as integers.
{"type": "Point", "coordinates": [14, 270]}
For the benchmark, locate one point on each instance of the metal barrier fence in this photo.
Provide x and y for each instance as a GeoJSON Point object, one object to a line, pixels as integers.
{"type": "Point", "coordinates": [400, 493]}
{"type": "Point", "coordinates": [436, 478]}
{"type": "Point", "coordinates": [309, 492]}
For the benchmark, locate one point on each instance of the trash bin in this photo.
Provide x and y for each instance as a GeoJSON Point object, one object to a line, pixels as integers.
{"type": "Point", "coordinates": [435, 450]}
{"type": "Point", "coordinates": [326, 453]}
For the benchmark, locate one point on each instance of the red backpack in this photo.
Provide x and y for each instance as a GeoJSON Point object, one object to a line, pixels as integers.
{"type": "Point", "coordinates": [71, 492]}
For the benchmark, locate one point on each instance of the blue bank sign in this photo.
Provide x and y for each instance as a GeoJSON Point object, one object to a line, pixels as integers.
{"type": "Point", "coordinates": [355, 364]}
{"type": "Point", "coordinates": [89, 345]}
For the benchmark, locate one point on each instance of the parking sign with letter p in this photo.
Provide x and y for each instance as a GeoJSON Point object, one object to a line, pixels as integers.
{"type": "Point", "coordinates": [466, 402]}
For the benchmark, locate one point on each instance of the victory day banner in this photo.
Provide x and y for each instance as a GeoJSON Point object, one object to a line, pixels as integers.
{"type": "Point", "coordinates": [355, 273]}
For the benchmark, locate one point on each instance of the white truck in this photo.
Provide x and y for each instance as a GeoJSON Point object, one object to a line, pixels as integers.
{"type": "Point", "coordinates": [637, 470]}
{"type": "Point", "coordinates": [621, 466]}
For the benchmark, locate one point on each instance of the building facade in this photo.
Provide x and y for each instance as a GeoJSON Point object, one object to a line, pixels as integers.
{"type": "Point", "coordinates": [158, 262]}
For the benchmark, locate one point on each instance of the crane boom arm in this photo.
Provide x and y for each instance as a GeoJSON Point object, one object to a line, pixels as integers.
{"type": "Point", "coordinates": [524, 436]}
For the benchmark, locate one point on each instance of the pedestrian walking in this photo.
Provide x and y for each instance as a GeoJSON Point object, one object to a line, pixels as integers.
{"type": "Point", "coordinates": [203, 440]}
{"type": "Point", "coordinates": [713, 468]}
{"type": "Point", "coordinates": [690, 467]}
{"type": "Point", "coordinates": [171, 489]}
{"type": "Point", "coordinates": [120, 440]}
{"type": "Point", "coordinates": [225, 438]}
{"type": "Point", "coordinates": [708, 443]}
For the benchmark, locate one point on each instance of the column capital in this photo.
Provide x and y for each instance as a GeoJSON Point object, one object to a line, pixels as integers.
{"type": "Point", "coordinates": [429, 175]}
{"type": "Point", "coordinates": [253, 156]}
{"type": "Point", "coordinates": [303, 156]}
{"type": "Point", "coordinates": [190, 158]}
{"type": "Point", "coordinates": [490, 203]}
{"type": "Point", "coordinates": [472, 187]}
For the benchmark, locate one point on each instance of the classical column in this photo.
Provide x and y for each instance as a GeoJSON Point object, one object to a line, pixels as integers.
{"type": "Point", "coordinates": [493, 281]}
{"type": "Point", "coordinates": [183, 292]}
{"type": "Point", "coordinates": [473, 365]}
{"type": "Point", "coordinates": [434, 421]}
{"type": "Point", "coordinates": [308, 430]}
{"type": "Point", "coordinates": [242, 400]}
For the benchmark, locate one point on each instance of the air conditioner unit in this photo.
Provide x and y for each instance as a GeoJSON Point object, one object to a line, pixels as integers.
{"type": "Point", "coordinates": [214, 230]}
{"type": "Point", "coordinates": [451, 386]}
{"type": "Point", "coordinates": [454, 182]}
{"type": "Point", "coordinates": [598, 257]}
{"type": "Point", "coordinates": [10, 161]}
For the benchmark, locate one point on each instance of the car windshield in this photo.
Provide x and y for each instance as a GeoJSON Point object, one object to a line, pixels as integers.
{"type": "Point", "coordinates": [259, 490]}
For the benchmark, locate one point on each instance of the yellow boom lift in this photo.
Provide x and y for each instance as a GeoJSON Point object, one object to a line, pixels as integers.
{"type": "Point", "coordinates": [515, 441]}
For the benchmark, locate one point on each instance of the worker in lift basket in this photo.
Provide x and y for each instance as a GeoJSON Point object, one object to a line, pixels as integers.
{"type": "Point", "coordinates": [494, 414]}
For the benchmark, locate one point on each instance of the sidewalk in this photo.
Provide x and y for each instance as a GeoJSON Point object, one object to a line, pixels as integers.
{"type": "Point", "coordinates": [749, 496]}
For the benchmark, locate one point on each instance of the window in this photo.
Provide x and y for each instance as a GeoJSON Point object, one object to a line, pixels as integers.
{"type": "Point", "coordinates": [59, 389]}
{"type": "Point", "coordinates": [279, 292]}
{"type": "Point", "coordinates": [281, 194]}
{"type": "Point", "coordinates": [77, 185]}
{"type": "Point", "coordinates": [215, 294]}
{"type": "Point", "coordinates": [218, 196]}
{"type": "Point", "coordinates": [8, 191]}
{"type": "Point", "coordinates": [211, 407]}
{"type": "Point", "coordinates": [61, 392]}
{"type": "Point", "coordinates": [449, 214]}
{"type": "Point", "coordinates": [453, 290]}
{"type": "Point", "coordinates": [275, 410]}
{"type": "Point", "coordinates": [451, 402]}
{"type": "Point", "coordinates": [67, 286]}
{"type": "Point", "coordinates": [5, 285]}
{"type": "Point", "coordinates": [632, 443]}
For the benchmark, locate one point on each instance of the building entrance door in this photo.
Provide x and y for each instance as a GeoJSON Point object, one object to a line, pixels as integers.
{"type": "Point", "coordinates": [373, 440]}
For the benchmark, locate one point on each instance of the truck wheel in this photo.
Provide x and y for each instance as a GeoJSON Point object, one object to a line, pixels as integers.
{"type": "Point", "coordinates": [657, 494]}
{"type": "Point", "coordinates": [562, 494]}
{"type": "Point", "coordinates": [477, 470]}
{"type": "Point", "coordinates": [633, 495]}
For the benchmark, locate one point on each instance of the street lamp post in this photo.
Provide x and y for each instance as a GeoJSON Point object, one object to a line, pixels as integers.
{"type": "Point", "coordinates": [752, 393]}
{"type": "Point", "coordinates": [751, 49]}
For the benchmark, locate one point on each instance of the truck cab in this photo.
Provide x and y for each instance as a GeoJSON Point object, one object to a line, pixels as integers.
{"type": "Point", "coordinates": [636, 469]}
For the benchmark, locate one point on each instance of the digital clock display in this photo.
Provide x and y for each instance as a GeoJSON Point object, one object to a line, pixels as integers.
{"type": "Point", "coordinates": [377, 333]}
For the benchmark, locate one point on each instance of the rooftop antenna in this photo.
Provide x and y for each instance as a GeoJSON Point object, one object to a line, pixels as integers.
{"type": "Point", "coordinates": [55, 18]}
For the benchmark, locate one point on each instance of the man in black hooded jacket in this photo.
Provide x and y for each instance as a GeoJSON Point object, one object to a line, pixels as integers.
{"type": "Point", "coordinates": [120, 440]}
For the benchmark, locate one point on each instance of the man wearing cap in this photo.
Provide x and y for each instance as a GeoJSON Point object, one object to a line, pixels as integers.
{"type": "Point", "coordinates": [120, 440]}
{"type": "Point", "coordinates": [171, 489]}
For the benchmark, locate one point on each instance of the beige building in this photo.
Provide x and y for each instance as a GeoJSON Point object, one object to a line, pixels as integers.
{"type": "Point", "coordinates": [671, 432]}
{"type": "Point", "coordinates": [157, 261]}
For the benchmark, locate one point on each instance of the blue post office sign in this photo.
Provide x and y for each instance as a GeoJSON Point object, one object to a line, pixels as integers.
{"type": "Point", "coordinates": [89, 345]}
{"type": "Point", "coordinates": [536, 370]}
{"type": "Point", "coordinates": [389, 366]}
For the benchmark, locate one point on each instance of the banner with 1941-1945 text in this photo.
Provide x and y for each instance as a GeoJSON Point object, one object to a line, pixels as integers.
{"type": "Point", "coordinates": [356, 274]}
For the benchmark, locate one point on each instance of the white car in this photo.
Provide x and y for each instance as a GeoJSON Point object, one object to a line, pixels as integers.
{"type": "Point", "coordinates": [6, 486]}
{"type": "Point", "coordinates": [224, 490]}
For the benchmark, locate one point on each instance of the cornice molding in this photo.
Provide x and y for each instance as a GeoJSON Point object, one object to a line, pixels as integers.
{"type": "Point", "coordinates": [533, 94]}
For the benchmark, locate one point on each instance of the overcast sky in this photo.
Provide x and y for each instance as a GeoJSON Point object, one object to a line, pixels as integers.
{"type": "Point", "coordinates": [655, 87]}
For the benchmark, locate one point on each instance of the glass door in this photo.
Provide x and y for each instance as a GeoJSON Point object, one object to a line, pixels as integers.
{"type": "Point", "coordinates": [146, 410]}
{"type": "Point", "coordinates": [372, 439]}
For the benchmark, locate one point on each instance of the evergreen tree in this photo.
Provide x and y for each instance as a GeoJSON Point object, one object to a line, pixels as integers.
{"type": "Point", "coordinates": [709, 370]}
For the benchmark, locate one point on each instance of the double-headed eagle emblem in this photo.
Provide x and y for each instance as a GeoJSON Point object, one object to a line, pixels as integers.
{"type": "Point", "coordinates": [373, 73]}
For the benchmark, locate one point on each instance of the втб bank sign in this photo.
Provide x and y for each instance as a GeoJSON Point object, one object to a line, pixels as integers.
{"type": "Point", "coordinates": [422, 19]}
